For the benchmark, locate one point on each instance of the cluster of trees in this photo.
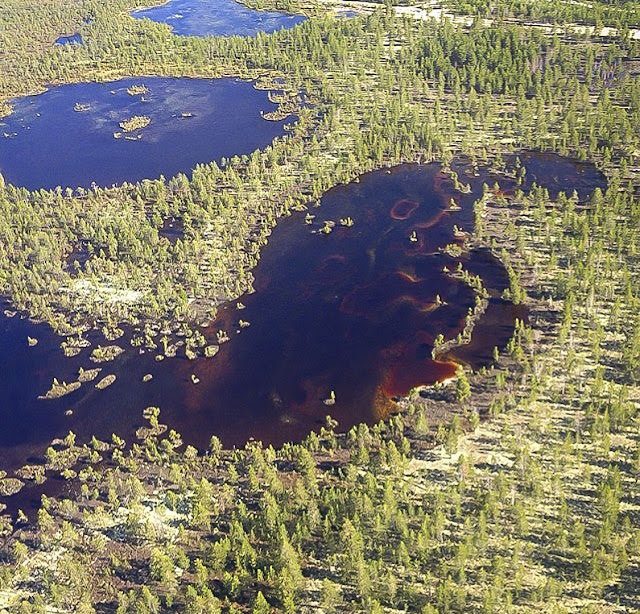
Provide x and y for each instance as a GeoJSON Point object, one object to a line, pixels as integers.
{"type": "Point", "coordinates": [444, 89]}
{"type": "Point", "coordinates": [621, 14]}
{"type": "Point", "coordinates": [533, 512]}
{"type": "Point", "coordinates": [372, 521]}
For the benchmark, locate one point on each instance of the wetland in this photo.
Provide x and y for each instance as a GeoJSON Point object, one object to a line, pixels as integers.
{"type": "Point", "coordinates": [395, 237]}
{"type": "Point", "coordinates": [217, 18]}
{"type": "Point", "coordinates": [350, 298]}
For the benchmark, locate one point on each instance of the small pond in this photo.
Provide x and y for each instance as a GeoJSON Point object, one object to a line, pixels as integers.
{"type": "Point", "coordinates": [84, 133]}
{"type": "Point", "coordinates": [217, 18]}
{"type": "Point", "coordinates": [73, 39]}
{"type": "Point", "coordinates": [558, 174]}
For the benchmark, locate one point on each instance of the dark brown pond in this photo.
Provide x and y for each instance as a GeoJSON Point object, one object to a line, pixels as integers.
{"type": "Point", "coordinates": [350, 314]}
{"type": "Point", "coordinates": [557, 174]}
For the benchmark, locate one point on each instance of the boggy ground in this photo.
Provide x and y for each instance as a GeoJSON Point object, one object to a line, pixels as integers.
{"type": "Point", "coordinates": [354, 312]}
{"type": "Point", "coordinates": [390, 302]}
{"type": "Point", "coordinates": [533, 509]}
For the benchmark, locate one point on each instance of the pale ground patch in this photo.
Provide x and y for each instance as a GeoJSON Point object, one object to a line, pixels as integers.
{"type": "Point", "coordinates": [39, 560]}
{"type": "Point", "coordinates": [105, 293]}
{"type": "Point", "coordinates": [434, 10]}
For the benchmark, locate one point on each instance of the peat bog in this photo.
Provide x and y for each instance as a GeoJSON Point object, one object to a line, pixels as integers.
{"type": "Point", "coordinates": [350, 297]}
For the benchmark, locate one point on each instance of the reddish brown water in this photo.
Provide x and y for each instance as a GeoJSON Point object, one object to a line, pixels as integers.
{"type": "Point", "coordinates": [354, 312]}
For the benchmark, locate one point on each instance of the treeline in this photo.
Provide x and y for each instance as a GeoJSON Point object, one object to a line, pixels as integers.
{"type": "Point", "coordinates": [620, 14]}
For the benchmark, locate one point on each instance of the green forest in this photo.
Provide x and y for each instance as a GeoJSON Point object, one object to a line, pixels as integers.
{"type": "Point", "coordinates": [515, 489]}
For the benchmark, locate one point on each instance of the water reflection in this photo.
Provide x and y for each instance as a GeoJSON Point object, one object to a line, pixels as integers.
{"type": "Point", "coordinates": [217, 18]}
{"type": "Point", "coordinates": [79, 134]}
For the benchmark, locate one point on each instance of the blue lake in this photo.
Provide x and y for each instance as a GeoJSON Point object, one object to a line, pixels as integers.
{"type": "Point", "coordinates": [71, 135]}
{"type": "Point", "coordinates": [217, 18]}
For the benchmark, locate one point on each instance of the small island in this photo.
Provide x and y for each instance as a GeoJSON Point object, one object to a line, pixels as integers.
{"type": "Point", "coordinates": [137, 90]}
{"type": "Point", "coordinates": [137, 122]}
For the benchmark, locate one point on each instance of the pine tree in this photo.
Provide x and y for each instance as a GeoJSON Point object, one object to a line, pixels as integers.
{"type": "Point", "coordinates": [260, 605]}
{"type": "Point", "coordinates": [463, 388]}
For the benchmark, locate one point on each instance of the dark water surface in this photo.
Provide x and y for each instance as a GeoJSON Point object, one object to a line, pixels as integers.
{"type": "Point", "coordinates": [73, 39]}
{"type": "Point", "coordinates": [65, 136]}
{"type": "Point", "coordinates": [558, 174]}
{"type": "Point", "coordinates": [217, 18]}
{"type": "Point", "coordinates": [353, 312]}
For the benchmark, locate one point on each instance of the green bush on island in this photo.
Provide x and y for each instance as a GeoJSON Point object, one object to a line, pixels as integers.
{"type": "Point", "coordinates": [211, 350]}
{"type": "Point", "coordinates": [88, 375]}
{"type": "Point", "coordinates": [105, 382]}
{"type": "Point", "coordinates": [10, 486]}
{"type": "Point", "coordinates": [59, 389]}
{"type": "Point", "coordinates": [105, 353]}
